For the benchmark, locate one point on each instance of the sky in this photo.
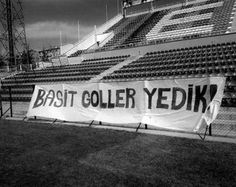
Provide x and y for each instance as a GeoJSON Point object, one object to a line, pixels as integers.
{"type": "Point", "coordinates": [44, 19]}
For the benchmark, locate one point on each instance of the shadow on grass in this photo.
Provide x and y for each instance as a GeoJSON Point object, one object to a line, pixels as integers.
{"type": "Point", "coordinates": [45, 155]}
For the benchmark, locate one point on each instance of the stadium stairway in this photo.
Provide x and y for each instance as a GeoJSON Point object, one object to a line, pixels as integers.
{"type": "Point", "coordinates": [232, 28]}
{"type": "Point", "coordinates": [114, 68]}
{"type": "Point", "coordinates": [125, 30]}
{"type": "Point", "coordinates": [88, 40]}
{"type": "Point", "coordinates": [118, 31]}
{"type": "Point", "coordinates": [134, 28]}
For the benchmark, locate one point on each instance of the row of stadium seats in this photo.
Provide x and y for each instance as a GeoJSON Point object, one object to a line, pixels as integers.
{"type": "Point", "coordinates": [22, 85]}
{"type": "Point", "coordinates": [77, 53]}
{"type": "Point", "coordinates": [196, 12]}
{"type": "Point", "coordinates": [74, 67]}
{"type": "Point", "coordinates": [199, 61]}
{"type": "Point", "coordinates": [186, 25]}
{"type": "Point", "coordinates": [229, 99]}
{"type": "Point", "coordinates": [152, 5]}
{"type": "Point", "coordinates": [211, 58]}
{"type": "Point", "coordinates": [78, 72]}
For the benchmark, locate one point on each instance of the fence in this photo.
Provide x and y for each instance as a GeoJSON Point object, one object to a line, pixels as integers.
{"type": "Point", "coordinates": [221, 127]}
{"type": "Point", "coordinates": [10, 108]}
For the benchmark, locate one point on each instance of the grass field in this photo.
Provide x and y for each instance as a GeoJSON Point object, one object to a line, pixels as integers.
{"type": "Point", "coordinates": [45, 155]}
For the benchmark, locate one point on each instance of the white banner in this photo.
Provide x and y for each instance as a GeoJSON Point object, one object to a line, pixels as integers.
{"type": "Point", "coordinates": [179, 104]}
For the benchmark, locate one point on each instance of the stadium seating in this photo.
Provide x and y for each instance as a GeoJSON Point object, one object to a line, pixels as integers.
{"type": "Point", "coordinates": [22, 84]}
{"type": "Point", "coordinates": [203, 18]}
{"type": "Point", "coordinates": [139, 35]}
{"type": "Point", "coordinates": [198, 61]}
{"type": "Point", "coordinates": [77, 53]}
{"type": "Point", "coordinates": [209, 18]}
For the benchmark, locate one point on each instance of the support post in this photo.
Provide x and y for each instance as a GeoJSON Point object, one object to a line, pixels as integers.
{"type": "Point", "coordinates": [33, 87]}
{"type": "Point", "coordinates": [138, 127]}
{"type": "Point", "coordinates": [91, 123]}
{"type": "Point", "coordinates": [54, 121]}
{"type": "Point", "coordinates": [24, 118]}
{"type": "Point", "coordinates": [204, 136]}
{"type": "Point", "coordinates": [10, 99]}
{"type": "Point", "coordinates": [210, 130]}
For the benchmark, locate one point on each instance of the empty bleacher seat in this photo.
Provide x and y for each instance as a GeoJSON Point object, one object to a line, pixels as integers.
{"type": "Point", "coordinates": [198, 61]}
{"type": "Point", "coordinates": [22, 84]}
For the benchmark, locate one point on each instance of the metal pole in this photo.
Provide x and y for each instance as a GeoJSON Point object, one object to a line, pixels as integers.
{"type": "Point", "coordinates": [106, 14]}
{"type": "Point", "coordinates": [28, 56]}
{"type": "Point", "coordinates": [138, 127]}
{"type": "Point", "coordinates": [33, 87]}
{"type": "Point", "coordinates": [10, 98]}
{"type": "Point", "coordinates": [122, 11]}
{"type": "Point", "coordinates": [95, 35]}
{"type": "Point", "coordinates": [91, 123]}
{"type": "Point", "coordinates": [210, 130]}
{"type": "Point", "coordinates": [60, 38]}
{"type": "Point", "coordinates": [118, 8]}
{"type": "Point", "coordinates": [152, 6]}
{"type": "Point", "coordinates": [78, 32]}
